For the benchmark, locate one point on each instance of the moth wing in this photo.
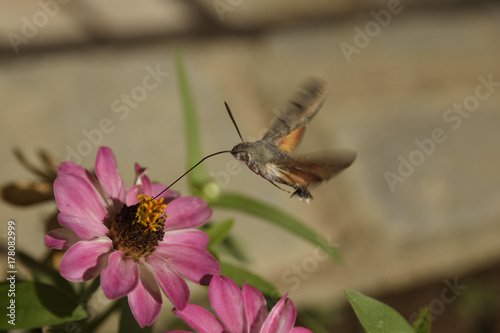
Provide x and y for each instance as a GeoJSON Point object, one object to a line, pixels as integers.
{"type": "Point", "coordinates": [314, 169]}
{"type": "Point", "coordinates": [299, 110]}
{"type": "Point", "coordinates": [292, 140]}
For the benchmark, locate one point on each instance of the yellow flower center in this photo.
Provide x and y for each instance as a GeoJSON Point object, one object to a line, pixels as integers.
{"type": "Point", "coordinates": [138, 229]}
{"type": "Point", "coordinates": [151, 212]}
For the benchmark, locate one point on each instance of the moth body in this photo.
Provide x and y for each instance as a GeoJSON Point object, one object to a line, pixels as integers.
{"type": "Point", "coordinates": [270, 158]}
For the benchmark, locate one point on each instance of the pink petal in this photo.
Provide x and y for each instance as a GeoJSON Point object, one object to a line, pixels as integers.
{"type": "Point", "coordinates": [83, 227]}
{"type": "Point", "coordinates": [61, 239]}
{"type": "Point", "coordinates": [143, 186]}
{"type": "Point", "coordinates": [71, 167]}
{"type": "Point", "coordinates": [154, 190]}
{"type": "Point", "coordinates": [145, 300]}
{"type": "Point", "coordinates": [139, 171]}
{"type": "Point", "coordinates": [193, 263]}
{"type": "Point", "coordinates": [281, 318]}
{"type": "Point", "coordinates": [76, 196]}
{"type": "Point", "coordinates": [135, 191]}
{"type": "Point", "coordinates": [256, 307]}
{"type": "Point", "coordinates": [187, 212]}
{"type": "Point", "coordinates": [169, 195]}
{"type": "Point", "coordinates": [172, 284]}
{"type": "Point", "coordinates": [106, 170]}
{"type": "Point", "coordinates": [200, 319]}
{"type": "Point", "coordinates": [301, 330]}
{"type": "Point", "coordinates": [132, 195]}
{"type": "Point", "coordinates": [77, 170]}
{"type": "Point", "coordinates": [85, 260]}
{"type": "Point", "coordinates": [147, 185]}
{"type": "Point", "coordinates": [193, 237]}
{"type": "Point", "coordinates": [120, 276]}
{"type": "Point", "coordinates": [227, 301]}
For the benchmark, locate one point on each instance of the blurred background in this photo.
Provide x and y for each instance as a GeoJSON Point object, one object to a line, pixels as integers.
{"type": "Point", "coordinates": [414, 89]}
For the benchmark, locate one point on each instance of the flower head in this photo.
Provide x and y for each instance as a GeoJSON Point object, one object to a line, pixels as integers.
{"type": "Point", "coordinates": [240, 311]}
{"type": "Point", "coordinates": [137, 243]}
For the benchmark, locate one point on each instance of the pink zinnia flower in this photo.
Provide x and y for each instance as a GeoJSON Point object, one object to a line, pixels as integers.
{"type": "Point", "coordinates": [240, 311]}
{"type": "Point", "coordinates": [137, 244]}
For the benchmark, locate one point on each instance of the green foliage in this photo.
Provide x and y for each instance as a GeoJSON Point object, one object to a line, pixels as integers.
{"type": "Point", "coordinates": [37, 304]}
{"type": "Point", "coordinates": [376, 317]}
{"type": "Point", "coordinates": [43, 272]}
{"type": "Point", "coordinates": [422, 324]}
{"type": "Point", "coordinates": [199, 175]}
{"type": "Point", "coordinates": [218, 232]}
{"type": "Point", "coordinates": [240, 275]}
{"type": "Point", "coordinates": [276, 216]}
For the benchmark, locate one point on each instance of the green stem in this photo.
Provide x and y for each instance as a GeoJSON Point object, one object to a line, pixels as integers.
{"type": "Point", "coordinates": [198, 176]}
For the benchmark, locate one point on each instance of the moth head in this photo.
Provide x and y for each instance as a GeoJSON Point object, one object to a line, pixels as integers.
{"type": "Point", "coordinates": [240, 152]}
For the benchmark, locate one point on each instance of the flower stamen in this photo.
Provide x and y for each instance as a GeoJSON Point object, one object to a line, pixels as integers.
{"type": "Point", "coordinates": [150, 213]}
{"type": "Point", "coordinates": [138, 229]}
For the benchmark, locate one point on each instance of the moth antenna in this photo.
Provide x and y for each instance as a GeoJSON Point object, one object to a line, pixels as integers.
{"type": "Point", "coordinates": [194, 166]}
{"type": "Point", "coordinates": [234, 122]}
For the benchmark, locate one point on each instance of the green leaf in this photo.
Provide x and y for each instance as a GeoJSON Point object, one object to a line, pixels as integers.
{"type": "Point", "coordinates": [198, 177]}
{"type": "Point", "coordinates": [36, 304]}
{"type": "Point", "coordinates": [232, 247]}
{"type": "Point", "coordinates": [46, 273]}
{"type": "Point", "coordinates": [422, 324]}
{"type": "Point", "coordinates": [276, 216]}
{"type": "Point", "coordinates": [218, 232]}
{"type": "Point", "coordinates": [376, 317]}
{"type": "Point", "coordinates": [240, 275]}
